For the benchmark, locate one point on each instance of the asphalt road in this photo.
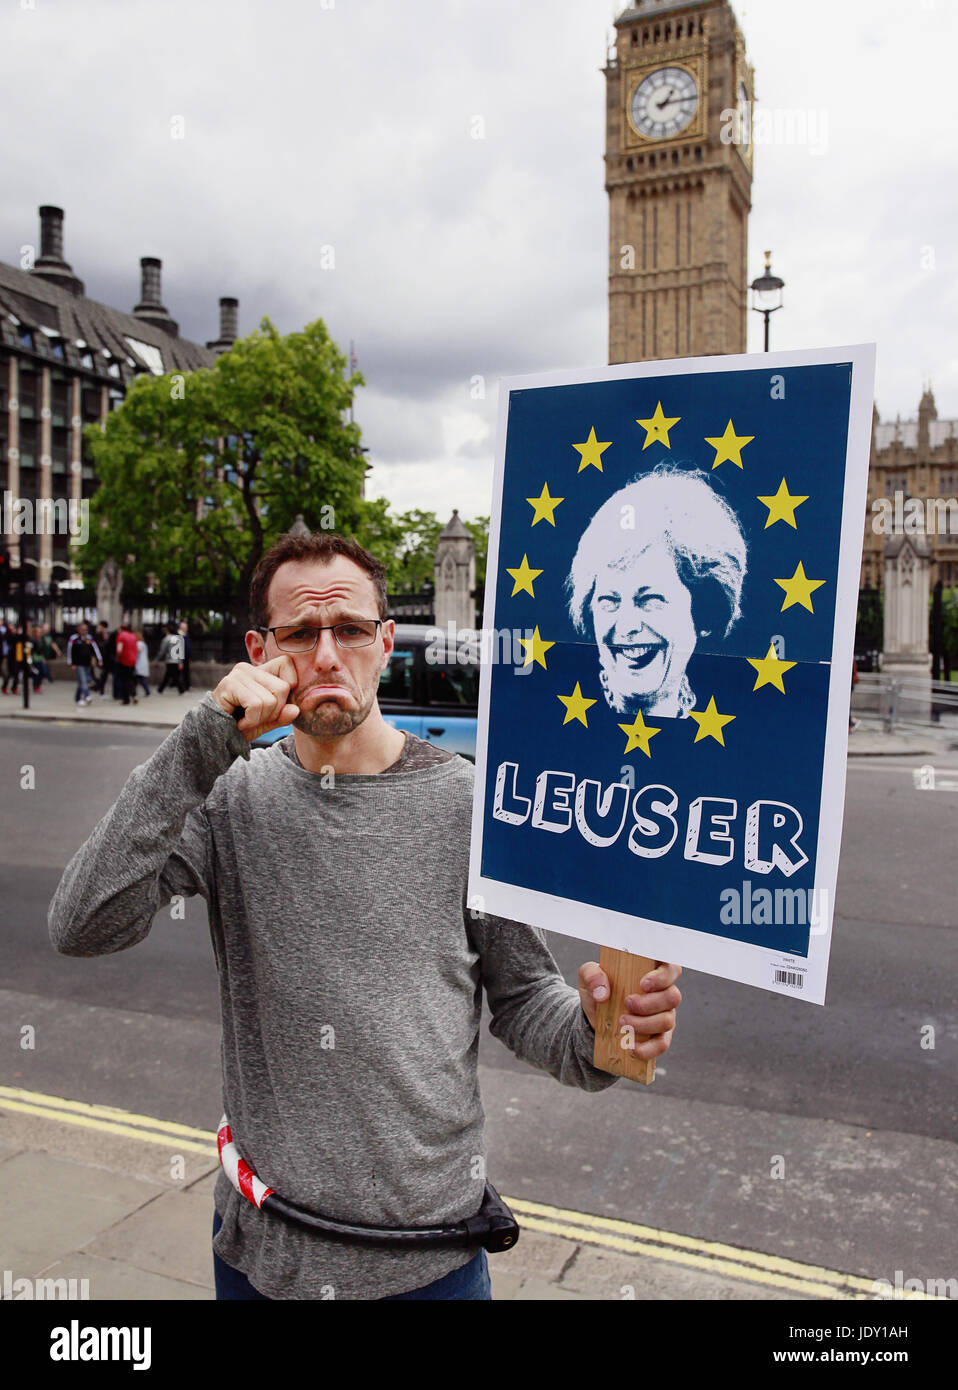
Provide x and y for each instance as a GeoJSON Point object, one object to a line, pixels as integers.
{"type": "Point", "coordinates": [750, 1073]}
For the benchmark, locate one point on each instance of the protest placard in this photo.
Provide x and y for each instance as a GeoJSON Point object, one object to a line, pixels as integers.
{"type": "Point", "coordinates": [675, 551]}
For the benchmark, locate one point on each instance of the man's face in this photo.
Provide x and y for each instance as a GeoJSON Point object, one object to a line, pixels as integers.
{"type": "Point", "coordinates": [336, 686]}
{"type": "Point", "coordinates": [83, 629]}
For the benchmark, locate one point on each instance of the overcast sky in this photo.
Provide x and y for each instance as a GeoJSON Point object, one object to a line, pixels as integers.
{"type": "Point", "coordinates": [352, 125]}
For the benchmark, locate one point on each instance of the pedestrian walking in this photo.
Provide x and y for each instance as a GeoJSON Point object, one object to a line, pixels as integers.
{"type": "Point", "coordinates": [184, 630]}
{"type": "Point", "coordinates": [30, 670]}
{"type": "Point", "coordinates": [171, 652]}
{"type": "Point", "coordinates": [334, 867]}
{"type": "Point", "coordinates": [109, 664]}
{"type": "Point", "coordinates": [125, 663]}
{"type": "Point", "coordinates": [8, 640]}
{"type": "Point", "coordinates": [102, 638]}
{"type": "Point", "coordinates": [45, 649]}
{"type": "Point", "coordinates": [14, 660]}
{"type": "Point", "coordinates": [82, 652]}
{"type": "Point", "coordinates": [142, 670]}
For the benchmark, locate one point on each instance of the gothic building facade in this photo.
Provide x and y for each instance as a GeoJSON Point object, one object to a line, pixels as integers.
{"type": "Point", "coordinates": [914, 468]}
{"type": "Point", "coordinates": [66, 362]}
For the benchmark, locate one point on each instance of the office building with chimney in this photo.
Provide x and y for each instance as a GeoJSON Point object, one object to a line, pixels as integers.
{"type": "Point", "coordinates": [66, 362]}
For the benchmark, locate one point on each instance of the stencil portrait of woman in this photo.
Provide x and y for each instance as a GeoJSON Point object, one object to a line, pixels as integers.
{"type": "Point", "coordinates": [657, 574]}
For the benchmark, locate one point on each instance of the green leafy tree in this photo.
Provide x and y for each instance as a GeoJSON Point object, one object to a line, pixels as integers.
{"type": "Point", "coordinates": [201, 473]}
{"type": "Point", "coordinates": [413, 560]}
{"type": "Point", "coordinates": [381, 532]}
{"type": "Point", "coordinates": [406, 544]}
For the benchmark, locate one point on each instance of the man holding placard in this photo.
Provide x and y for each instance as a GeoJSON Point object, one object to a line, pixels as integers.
{"type": "Point", "coordinates": [351, 959]}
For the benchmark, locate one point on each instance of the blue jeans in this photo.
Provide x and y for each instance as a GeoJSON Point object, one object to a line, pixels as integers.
{"type": "Point", "coordinates": [470, 1282]}
{"type": "Point", "coordinates": [83, 683]}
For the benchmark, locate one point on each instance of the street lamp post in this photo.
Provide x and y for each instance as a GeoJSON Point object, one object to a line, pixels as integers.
{"type": "Point", "coordinates": [767, 293]}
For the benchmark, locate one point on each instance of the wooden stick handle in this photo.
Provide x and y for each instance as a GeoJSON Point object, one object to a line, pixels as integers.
{"type": "Point", "coordinates": [625, 973]}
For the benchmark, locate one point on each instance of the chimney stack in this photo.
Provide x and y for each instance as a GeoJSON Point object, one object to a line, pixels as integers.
{"type": "Point", "coordinates": [150, 307]}
{"type": "Point", "coordinates": [50, 265]}
{"type": "Point", "coordinates": [229, 319]}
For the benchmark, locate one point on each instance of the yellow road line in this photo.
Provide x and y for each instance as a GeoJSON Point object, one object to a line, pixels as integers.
{"type": "Point", "coordinates": [709, 1264]}
{"type": "Point", "coordinates": [628, 1237]}
{"type": "Point", "coordinates": [169, 1141]}
{"type": "Point", "coordinates": [103, 1112]}
{"type": "Point", "coordinates": [772, 1264]}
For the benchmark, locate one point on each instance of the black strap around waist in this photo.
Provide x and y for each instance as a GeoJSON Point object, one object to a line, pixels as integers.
{"type": "Point", "coordinates": [493, 1227]}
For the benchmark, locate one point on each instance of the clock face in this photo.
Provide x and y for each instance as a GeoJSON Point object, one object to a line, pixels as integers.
{"type": "Point", "coordinates": [664, 103]}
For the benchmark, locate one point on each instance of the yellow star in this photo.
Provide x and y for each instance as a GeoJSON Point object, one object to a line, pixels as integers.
{"type": "Point", "coordinates": [536, 649]}
{"type": "Point", "coordinates": [523, 577]}
{"type": "Point", "coordinates": [770, 670]}
{"type": "Point", "coordinates": [544, 505]}
{"type": "Point", "coordinates": [657, 428]}
{"type": "Point", "coordinates": [640, 734]}
{"type": "Point", "coordinates": [799, 589]}
{"type": "Point", "coordinates": [710, 722]}
{"type": "Point", "coordinates": [591, 451]}
{"type": "Point", "coordinates": [729, 445]}
{"type": "Point", "coordinates": [575, 705]}
{"type": "Point", "coordinates": [782, 506]}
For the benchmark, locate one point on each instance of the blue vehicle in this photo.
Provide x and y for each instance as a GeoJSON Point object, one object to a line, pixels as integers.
{"type": "Point", "coordinates": [430, 688]}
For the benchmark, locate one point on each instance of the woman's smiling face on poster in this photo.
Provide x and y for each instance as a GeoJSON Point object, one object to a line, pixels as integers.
{"type": "Point", "coordinates": [658, 571]}
{"type": "Point", "coordinates": [642, 620]}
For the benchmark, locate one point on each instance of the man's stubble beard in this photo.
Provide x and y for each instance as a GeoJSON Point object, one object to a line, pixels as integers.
{"type": "Point", "coordinates": [329, 719]}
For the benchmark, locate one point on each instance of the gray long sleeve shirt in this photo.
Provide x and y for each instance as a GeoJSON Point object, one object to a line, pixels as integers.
{"type": "Point", "coordinates": [350, 971]}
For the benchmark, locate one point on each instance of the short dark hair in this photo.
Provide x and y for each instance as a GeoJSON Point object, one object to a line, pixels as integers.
{"type": "Point", "coordinates": [322, 546]}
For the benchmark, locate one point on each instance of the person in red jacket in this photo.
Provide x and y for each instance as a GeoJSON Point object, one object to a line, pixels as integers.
{"type": "Point", "coordinates": [126, 648]}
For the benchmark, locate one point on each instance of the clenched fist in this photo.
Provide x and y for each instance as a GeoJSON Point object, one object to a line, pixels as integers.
{"type": "Point", "coordinates": [263, 692]}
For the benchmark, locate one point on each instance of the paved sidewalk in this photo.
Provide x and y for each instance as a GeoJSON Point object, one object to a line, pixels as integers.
{"type": "Point", "coordinates": [870, 740]}
{"type": "Point", "coordinates": [56, 702]}
{"type": "Point", "coordinates": [132, 1215]}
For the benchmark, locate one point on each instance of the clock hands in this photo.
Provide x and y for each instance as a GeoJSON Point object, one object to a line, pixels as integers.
{"type": "Point", "coordinates": [670, 97]}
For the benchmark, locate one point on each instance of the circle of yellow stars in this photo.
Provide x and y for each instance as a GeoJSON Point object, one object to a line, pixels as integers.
{"type": "Point", "coordinates": [798, 588]}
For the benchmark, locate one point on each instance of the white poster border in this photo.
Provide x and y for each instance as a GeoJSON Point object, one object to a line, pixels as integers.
{"type": "Point", "coordinates": [734, 960]}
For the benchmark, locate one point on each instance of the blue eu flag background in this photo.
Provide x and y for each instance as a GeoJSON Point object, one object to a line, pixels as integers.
{"type": "Point", "coordinates": [752, 729]}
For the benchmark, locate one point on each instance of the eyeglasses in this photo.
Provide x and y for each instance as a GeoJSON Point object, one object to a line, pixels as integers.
{"type": "Point", "coordinates": [361, 632]}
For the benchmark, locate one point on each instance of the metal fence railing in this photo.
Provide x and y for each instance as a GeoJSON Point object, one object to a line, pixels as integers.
{"type": "Point", "coordinates": [906, 702]}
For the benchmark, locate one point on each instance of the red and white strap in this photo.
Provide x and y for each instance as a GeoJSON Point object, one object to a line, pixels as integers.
{"type": "Point", "coordinates": [237, 1169]}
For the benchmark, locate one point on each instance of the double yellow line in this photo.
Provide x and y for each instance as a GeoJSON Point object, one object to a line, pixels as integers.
{"type": "Point", "coordinates": [626, 1237]}
{"type": "Point", "coordinates": [711, 1257]}
{"type": "Point", "coordinates": [108, 1120]}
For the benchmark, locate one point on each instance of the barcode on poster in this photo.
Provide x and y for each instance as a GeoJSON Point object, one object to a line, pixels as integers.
{"type": "Point", "coordinates": [792, 978]}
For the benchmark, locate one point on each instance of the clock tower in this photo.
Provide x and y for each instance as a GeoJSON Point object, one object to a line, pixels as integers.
{"type": "Point", "coordinates": [679, 177]}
